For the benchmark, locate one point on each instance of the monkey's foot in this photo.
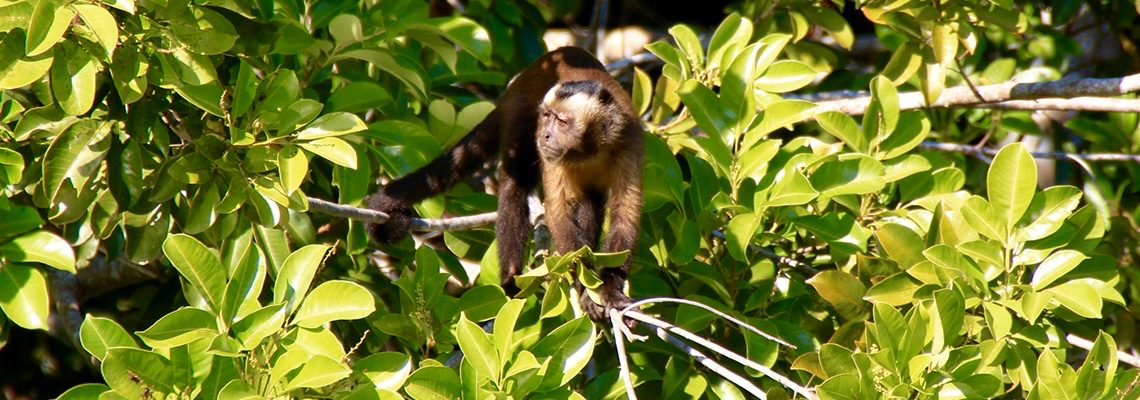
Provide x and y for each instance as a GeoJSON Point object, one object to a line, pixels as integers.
{"type": "Point", "coordinates": [600, 313]}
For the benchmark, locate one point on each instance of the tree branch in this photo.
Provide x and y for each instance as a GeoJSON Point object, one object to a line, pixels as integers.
{"type": "Point", "coordinates": [1083, 343]}
{"type": "Point", "coordinates": [982, 151]}
{"type": "Point", "coordinates": [998, 95]}
{"type": "Point", "coordinates": [665, 331]}
{"type": "Point", "coordinates": [418, 224]}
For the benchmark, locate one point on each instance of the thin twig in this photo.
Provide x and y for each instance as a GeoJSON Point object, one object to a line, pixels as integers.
{"type": "Point", "coordinates": [658, 327]}
{"type": "Point", "coordinates": [768, 372]}
{"type": "Point", "coordinates": [623, 363]}
{"type": "Point", "coordinates": [1088, 345]}
{"type": "Point", "coordinates": [973, 151]}
{"type": "Point", "coordinates": [637, 304]}
{"type": "Point", "coordinates": [418, 224]}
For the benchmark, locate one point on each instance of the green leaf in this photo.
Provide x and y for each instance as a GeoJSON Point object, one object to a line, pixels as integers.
{"type": "Point", "coordinates": [433, 382]}
{"type": "Point", "coordinates": [689, 44]}
{"type": "Point", "coordinates": [198, 265]}
{"type": "Point", "coordinates": [945, 43]}
{"type": "Point", "coordinates": [293, 166]}
{"type": "Point", "coordinates": [1048, 212]}
{"type": "Point", "coordinates": [334, 301]}
{"type": "Point", "coordinates": [133, 372]}
{"type": "Point", "coordinates": [16, 69]}
{"type": "Point", "coordinates": [883, 113]}
{"type": "Point", "coordinates": [737, 97]}
{"type": "Point", "coordinates": [933, 81]}
{"type": "Point", "coordinates": [1054, 267]}
{"type": "Point", "coordinates": [904, 63]}
{"type": "Point", "coordinates": [504, 330]}
{"type": "Point", "coordinates": [1033, 304]}
{"type": "Point", "coordinates": [732, 34]}
{"type": "Point", "coordinates": [1010, 183]}
{"type": "Point", "coordinates": [297, 274]}
{"type": "Point", "coordinates": [739, 234]}
{"type": "Point", "coordinates": [998, 320]}
{"type": "Point", "coordinates": [42, 247]}
{"type": "Point", "coordinates": [842, 291]}
{"type": "Point", "coordinates": [238, 389]}
{"type": "Point", "coordinates": [97, 334]}
{"type": "Point", "coordinates": [24, 296]}
{"type": "Point", "coordinates": [84, 391]}
{"type": "Point", "coordinates": [947, 315]}
{"type": "Point", "coordinates": [318, 371]}
{"type": "Point", "coordinates": [207, 96]}
{"type": "Point", "coordinates": [258, 325]}
{"type": "Point", "coordinates": [792, 189]}
{"type": "Point", "coordinates": [642, 91]}
{"type": "Point", "coordinates": [776, 115]}
{"type": "Point", "coordinates": [1095, 376]}
{"type": "Point", "coordinates": [896, 290]}
{"type": "Point", "coordinates": [832, 22]}
{"type": "Point", "coordinates": [332, 124]}
{"type": "Point", "coordinates": [786, 76]}
{"type": "Point", "coordinates": [1055, 380]}
{"type": "Point", "coordinates": [705, 107]}
{"type": "Point", "coordinates": [203, 31]}
{"type": "Point", "coordinates": [357, 97]}
{"type": "Point", "coordinates": [468, 34]}
{"type": "Point", "coordinates": [102, 26]}
{"type": "Point", "coordinates": [408, 72]}
{"type": "Point", "coordinates": [478, 349]}
{"type": "Point", "coordinates": [49, 22]}
{"type": "Point", "coordinates": [981, 216]}
{"type": "Point", "coordinates": [346, 29]}
{"type": "Point", "coordinates": [333, 149]}
{"type": "Point", "coordinates": [902, 244]}
{"type": "Point", "coordinates": [387, 370]}
{"type": "Point", "coordinates": [848, 174]}
{"type": "Point", "coordinates": [483, 302]}
{"type": "Point", "coordinates": [571, 344]}
{"type": "Point", "coordinates": [842, 126]}
{"type": "Point", "coordinates": [1079, 296]}
{"type": "Point", "coordinates": [179, 327]}
{"type": "Point", "coordinates": [299, 113]}
{"type": "Point", "coordinates": [74, 155]}
{"type": "Point", "coordinates": [912, 129]}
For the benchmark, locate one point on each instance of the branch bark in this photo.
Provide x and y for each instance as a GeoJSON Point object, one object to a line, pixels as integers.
{"type": "Point", "coordinates": [977, 151]}
{"type": "Point", "coordinates": [1007, 95]}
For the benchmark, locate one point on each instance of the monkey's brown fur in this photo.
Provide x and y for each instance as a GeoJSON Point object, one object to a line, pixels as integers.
{"type": "Point", "coordinates": [591, 155]}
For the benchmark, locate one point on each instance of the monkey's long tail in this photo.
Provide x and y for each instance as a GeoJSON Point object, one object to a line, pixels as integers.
{"type": "Point", "coordinates": [459, 162]}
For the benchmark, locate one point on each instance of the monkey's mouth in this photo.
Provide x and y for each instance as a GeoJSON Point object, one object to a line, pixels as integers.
{"type": "Point", "coordinates": [549, 153]}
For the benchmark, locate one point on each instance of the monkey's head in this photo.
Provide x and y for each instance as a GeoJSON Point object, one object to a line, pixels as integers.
{"type": "Point", "coordinates": [576, 120]}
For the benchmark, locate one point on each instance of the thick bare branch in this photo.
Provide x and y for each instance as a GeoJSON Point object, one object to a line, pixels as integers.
{"type": "Point", "coordinates": [963, 96]}
{"type": "Point", "coordinates": [976, 151]}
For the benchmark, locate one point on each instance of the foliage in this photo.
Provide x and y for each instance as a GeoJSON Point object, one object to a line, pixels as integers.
{"type": "Point", "coordinates": [188, 135]}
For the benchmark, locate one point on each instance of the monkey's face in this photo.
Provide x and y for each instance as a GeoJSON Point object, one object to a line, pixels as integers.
{"type": "Point", "coordinates": [570, 119]}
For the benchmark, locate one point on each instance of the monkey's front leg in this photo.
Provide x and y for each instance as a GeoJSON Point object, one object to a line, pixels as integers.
{"type": "Point", "coordinates": [624, 206]}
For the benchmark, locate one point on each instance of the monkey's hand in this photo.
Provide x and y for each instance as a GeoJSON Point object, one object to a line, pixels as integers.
{"type": "Point", "coordinates": [395, 229]}
{"type": "Point", "coordinates": [399, 219]}
{"type": "Point", "coordinates": [611, 300]}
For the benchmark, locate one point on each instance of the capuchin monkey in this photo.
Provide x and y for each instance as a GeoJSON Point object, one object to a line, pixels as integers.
{"type": "Point", "coordinates": [566, 121]}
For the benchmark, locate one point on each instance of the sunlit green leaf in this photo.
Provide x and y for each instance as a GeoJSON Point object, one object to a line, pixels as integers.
{"type": "Point", "coordinates": [333, 301]}
{"type": "Point", "coordinates": [42, 247]}
{"type": "Point", "coordinates": [24, 295]}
